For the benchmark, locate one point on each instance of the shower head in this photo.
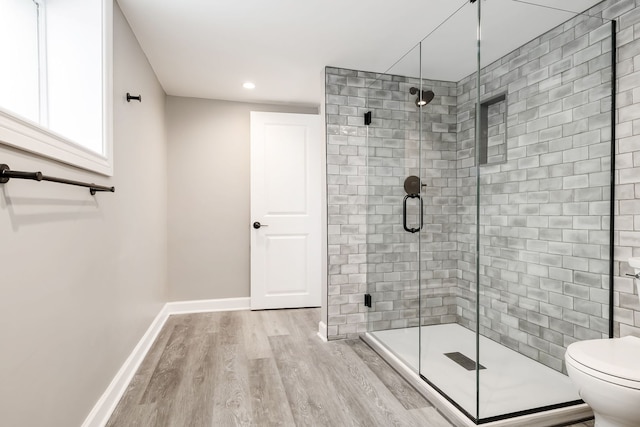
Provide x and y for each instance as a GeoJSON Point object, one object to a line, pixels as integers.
{"type": "Point", "coordinates": [423, 99]}
{"type": "Point", "coordinates": [427, 97]}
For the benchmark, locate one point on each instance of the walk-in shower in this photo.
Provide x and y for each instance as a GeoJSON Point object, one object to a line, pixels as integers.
{"type": "Point", "coordinates": [486, 211]}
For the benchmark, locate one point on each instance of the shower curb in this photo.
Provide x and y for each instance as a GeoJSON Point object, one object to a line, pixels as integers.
{"type": "Point", "coordinates": [550, 418]}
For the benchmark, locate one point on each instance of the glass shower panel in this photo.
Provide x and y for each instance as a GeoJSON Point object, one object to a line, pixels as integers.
{"type": "Point", "coordinates": [392, 209]}
{"type": "Point", "coordinates": [447, 242]}
{"type": "Point", "coordinates": [544, 156]}
{"type": "Point", "coordinates": [488, 202]}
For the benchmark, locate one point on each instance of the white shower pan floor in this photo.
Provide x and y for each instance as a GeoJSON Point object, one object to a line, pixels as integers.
{"type": "Point", "coordinates": [510, 383]}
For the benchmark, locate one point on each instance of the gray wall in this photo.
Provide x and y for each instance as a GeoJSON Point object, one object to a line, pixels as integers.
{"type": "Point", "coordinates": [83, 276]}
{"type": "Point", "coordinates": [209, 200]}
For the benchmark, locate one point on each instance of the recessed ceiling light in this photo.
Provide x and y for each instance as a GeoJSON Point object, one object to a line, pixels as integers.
{"type": "Point", "coordinates": [249, 85]}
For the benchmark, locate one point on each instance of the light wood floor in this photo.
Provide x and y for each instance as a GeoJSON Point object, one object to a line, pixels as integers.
{"type": "Point", "coordinates": [265, 368]}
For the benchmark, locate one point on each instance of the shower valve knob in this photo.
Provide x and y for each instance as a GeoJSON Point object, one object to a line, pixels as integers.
{"type": "Point", "coordinates": [637, 276]}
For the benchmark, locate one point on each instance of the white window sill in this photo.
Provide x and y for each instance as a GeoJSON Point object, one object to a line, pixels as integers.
{"type": "Point", "coordinates": [28, 136]}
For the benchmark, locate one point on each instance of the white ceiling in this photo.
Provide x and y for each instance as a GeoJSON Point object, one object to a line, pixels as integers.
{"type": "Point", "coordinates": [209, 48]}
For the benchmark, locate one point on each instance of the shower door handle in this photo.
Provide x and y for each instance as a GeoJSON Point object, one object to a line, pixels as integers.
{"type": "Point", "coordinates": [404, 213]}
{"type": "Point", "coordinates": [421, 212]}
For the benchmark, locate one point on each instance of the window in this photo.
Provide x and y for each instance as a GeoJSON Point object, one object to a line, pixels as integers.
{"type": "Point", "coordinates": [55, 90]}
{"type": "Point", "coordinates": [19, 83]}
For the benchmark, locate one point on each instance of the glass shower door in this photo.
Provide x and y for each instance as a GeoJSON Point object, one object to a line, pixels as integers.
{"type": "Point", "coordinates": [447, 287]}
{"type": "Point", "coordinates": [393, 208]}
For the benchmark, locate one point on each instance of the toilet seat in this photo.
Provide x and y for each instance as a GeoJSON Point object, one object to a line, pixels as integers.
{"type": "Point", "coordinates": [614, 360]}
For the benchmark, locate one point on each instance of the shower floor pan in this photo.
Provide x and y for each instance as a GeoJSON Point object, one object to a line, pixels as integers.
{"type": "Point", "coordinates": [511, 384]}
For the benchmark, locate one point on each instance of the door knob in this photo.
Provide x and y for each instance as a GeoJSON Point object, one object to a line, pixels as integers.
{"type": "Point", "coordinates": [257, 225]}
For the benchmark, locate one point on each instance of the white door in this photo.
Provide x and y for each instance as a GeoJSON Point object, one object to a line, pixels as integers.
{"type": "Point", "coordinates": [285, 210]}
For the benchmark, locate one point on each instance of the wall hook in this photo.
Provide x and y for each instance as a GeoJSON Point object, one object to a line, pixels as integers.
{"type": "Point", "coordinates": [136, 97]}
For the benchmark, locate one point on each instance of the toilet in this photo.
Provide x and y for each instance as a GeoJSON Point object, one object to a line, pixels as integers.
{"type": "Point", "coordinates": [607, 375]}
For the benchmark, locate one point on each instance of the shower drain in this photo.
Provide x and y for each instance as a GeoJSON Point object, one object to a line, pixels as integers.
{"type": "Point", "coordinates": [463, 361]}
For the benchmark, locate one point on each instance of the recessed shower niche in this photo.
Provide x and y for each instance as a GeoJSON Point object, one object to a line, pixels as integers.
{"type": "Point", "coordinates": [492, 145]}
{"type": "Point", "coordinates": [512, 259]}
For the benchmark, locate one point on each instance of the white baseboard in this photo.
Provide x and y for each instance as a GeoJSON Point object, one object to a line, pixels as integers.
{"type": "Point", "coordinates": [322, 331]}
{"type": "Point", "coordinates": [208, 305]}
{"type": "Point", "coordinates": [104, 407]}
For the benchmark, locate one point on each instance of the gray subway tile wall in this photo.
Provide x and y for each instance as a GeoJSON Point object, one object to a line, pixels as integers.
{"type": "Point", "coordinates": [544, 223]}
{"type": "Point", "coordinates": [550, 190]}
{"type": "Point", "coordinates": [365, 231]}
